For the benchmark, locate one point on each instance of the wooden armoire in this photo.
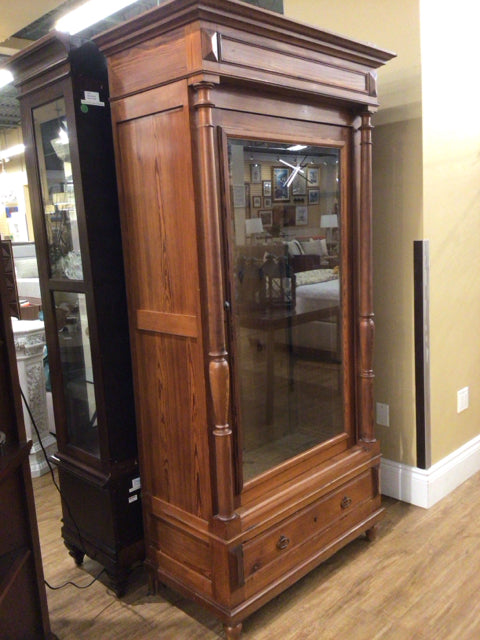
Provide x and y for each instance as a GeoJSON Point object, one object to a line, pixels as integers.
{"type": "Point", "coordinates": [243, 151]}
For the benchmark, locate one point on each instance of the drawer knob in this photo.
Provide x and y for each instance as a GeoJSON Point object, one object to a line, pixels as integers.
{"type": "Point", "coordinates": [346, 502]}
{"type": "Point", "coordinates": [283, 542]}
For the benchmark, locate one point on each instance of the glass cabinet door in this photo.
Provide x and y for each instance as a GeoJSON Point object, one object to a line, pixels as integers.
{"type": "Point", "coordinates": [56, 182]}
{"type": "Point", "coordinates": [69, 310]}
{"type": "Point", "coordinates": [285, 246]}
{"type": "Point", "coordinates": [77, 371]}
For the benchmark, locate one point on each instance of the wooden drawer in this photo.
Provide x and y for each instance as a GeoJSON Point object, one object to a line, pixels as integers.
{"type": "Point", "coordinates": [306, 532]}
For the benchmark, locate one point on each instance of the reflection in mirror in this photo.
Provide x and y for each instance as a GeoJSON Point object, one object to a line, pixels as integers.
{"type": "Point", "coordinates": [77, 372]}
{"type": "Point", "coordinates": [284, 233]}
{"type": "Point", "coordinates": [55, 169]}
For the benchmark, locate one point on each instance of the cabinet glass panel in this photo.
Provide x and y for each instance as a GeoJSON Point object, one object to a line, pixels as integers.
{"type": "Point", "coordinates": [286, 216]}
{"type": "Point", "coordinates": [77, 374]}
{"type": "Point", "coordinates": [55, 168]}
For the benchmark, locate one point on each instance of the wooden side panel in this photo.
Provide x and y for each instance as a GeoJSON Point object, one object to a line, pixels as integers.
{"type": "Point", "coordinates": [159, 234]}
{"type": "Point", "coordinates": [154, 61]}
{"type": "Point", "coordinates": [159, 213]}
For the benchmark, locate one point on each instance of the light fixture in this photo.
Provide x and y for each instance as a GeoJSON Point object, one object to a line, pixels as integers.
{"type": "Point", "coordinates": [89, 13]}
{"type": "Point", "coordinates": [253, 228]}
{"type": "Point", "coordinates": [329, 222]}
{"type": "Point", "coordinates": [16, 150]}
{"type": "Point", "coordinates": [5, 77]}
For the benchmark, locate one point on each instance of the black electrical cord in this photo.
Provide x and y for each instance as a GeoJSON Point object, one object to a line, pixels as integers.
{"type": "Point", "coordinates": [77, 586]}
{"type": "Point", "coordinates": [52, 472]}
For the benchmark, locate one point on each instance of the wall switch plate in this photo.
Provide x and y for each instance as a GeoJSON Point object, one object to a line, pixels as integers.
{"type": "Point", "coordinates": [462, 399]}
{"type": "Point", "coordinates": [383, 414]}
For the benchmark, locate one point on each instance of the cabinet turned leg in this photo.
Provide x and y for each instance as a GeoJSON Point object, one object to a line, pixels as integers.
{"type": "Point", "coordinates": [77, 554]}
{"type": "Point", "coordinates": [371, 533]}
{"type": "Point", "coordinates": [233, 633]}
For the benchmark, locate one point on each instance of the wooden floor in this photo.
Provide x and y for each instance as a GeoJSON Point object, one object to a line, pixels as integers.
{"type": "Point", "coordinates": [419, 580]}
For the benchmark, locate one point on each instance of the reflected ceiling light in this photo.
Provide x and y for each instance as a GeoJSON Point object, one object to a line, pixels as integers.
{"type": "Point", "coordinates": [297, 147]}
{"type": "Point", "coordinates": [16, 150]}
{"type": "Point", "coordinates": [89, 13]}
{"type": "Point", "coordinates": [5, 77]}
{"type": "Point", "coordinates": [63, 136]}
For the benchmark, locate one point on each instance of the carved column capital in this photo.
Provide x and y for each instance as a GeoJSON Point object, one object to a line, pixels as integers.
{"type": "Point", "coordinates": [29, 340]}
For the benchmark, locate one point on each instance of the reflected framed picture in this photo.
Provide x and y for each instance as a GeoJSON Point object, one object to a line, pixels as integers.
{"type": "Point", "coordinates": [299, 185]}
{"type": "Point", "coordinates": [256, 202]}
{"type": "Point", "coordinates": [280, 177]}
{"type": "Point", "coordinates": [256, 173]}
{"type": "Point", "coordinates": [239, 196]}
{"type": "Point", "coordinates": [313, 196]}
{"type": "Point", "coordinates": [313, 176]}
{"type": "Point", "coordinates": [266, 217]}
{"type": "Point", "coordinates": [267, 188]}
{"type": "Point", "coordinates": [301, 215]}
{"type": "Point", "coordinates": [267, 203]}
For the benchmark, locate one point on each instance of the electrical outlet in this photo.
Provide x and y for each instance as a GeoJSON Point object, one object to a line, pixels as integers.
{"type": "Point", "coordinates": [383, 414]}
{"type": "Point", "coordinates": [462, 399]}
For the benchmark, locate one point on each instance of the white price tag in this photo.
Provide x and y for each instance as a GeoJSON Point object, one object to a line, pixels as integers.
{"type": "Point", "coordinates": [93, 98]}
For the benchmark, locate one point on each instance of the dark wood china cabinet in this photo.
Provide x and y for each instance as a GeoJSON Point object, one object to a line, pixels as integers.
{"type": "Point", "coordinates": [243, 153]}
{"type": "Point", "coordinates": [63, 94]}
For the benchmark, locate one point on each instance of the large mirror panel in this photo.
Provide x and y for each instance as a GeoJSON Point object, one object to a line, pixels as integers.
{"type": "Point", "coordinates": [286, 251]}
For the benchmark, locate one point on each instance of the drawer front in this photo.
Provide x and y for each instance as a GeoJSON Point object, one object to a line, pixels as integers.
{"type": "Point", "coordinates": [303, 534]}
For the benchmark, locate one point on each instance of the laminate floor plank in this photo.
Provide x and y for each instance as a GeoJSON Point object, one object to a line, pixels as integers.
{"type": "Point", "coordinates": [418, 581]}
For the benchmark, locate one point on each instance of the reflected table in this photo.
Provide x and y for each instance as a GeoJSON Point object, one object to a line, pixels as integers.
{"type": "Point", "coordinates": [270, 320]}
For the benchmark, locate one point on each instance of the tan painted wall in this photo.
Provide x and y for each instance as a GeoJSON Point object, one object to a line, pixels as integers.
{"type": "Point", "coordinates": [451, 141]}
{"type": "Point", "coordinates": [397, 195]}
{"type": "Point", "coordinates": [427, 185]}
{"type": "Point", "coordinates": [16, 172]}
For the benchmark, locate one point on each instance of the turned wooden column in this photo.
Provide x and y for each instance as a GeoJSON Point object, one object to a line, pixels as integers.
{"type": "Point", "coordinates": [366, 317]}
{"type": "Point", "coordinates": [211, 254]}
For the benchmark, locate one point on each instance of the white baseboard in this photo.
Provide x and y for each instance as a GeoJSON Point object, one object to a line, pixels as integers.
{"type": "Point", "coordinates": [425, 487]}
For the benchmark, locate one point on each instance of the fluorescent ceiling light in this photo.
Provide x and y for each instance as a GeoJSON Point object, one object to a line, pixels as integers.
{"type": "Point", "coordinates": [12, 151]}
{"type": "Point", "coordinates": [5, 77]}
{"type": "Point", "coordinates": [89, 13]}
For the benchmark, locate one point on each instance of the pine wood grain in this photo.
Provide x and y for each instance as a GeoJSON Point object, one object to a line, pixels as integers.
{"type": "Point", "coordinates": [419, 579]}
